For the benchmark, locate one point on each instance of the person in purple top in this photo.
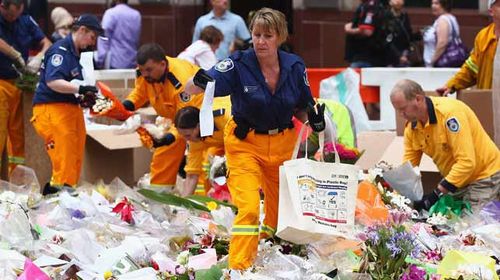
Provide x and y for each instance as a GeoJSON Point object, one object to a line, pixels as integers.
{"type": "Point", "coordinates": [122, 30]}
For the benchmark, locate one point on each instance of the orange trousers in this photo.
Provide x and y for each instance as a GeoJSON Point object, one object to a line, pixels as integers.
{"type": "Point", "coordinates": [254, 163]}
{"type": "Point", "coordinates": [62, 127]}
{"type": "Point", "coordinates": [12, 122]}
{"type": "Point", "coordinates": [165, 164]}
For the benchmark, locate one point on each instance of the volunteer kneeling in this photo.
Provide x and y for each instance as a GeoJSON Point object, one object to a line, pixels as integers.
{"type": "Point", "coordinates": [57, 116]}
{"type": "Point", "coordinates": [187, 122]}
{"type": "Point", "coordinates": [267, 87]}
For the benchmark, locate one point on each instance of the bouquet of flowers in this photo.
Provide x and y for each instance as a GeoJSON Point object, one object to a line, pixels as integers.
{"type": "Point", "coordinates": [108, 105]}
{"type": "Point", "coordinates": [385, 249]}
{"type": "Point", "coordinates": [346, 154]}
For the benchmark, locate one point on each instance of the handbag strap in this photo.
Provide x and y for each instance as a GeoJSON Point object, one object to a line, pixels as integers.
{"type": "Point", "coordinates": [454, 32]}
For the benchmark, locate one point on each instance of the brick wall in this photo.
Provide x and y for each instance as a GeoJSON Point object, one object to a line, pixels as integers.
{"type": "Point", "coordinates": [318, 33]}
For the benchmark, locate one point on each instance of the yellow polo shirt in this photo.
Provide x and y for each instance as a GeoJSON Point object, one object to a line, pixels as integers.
{"type": "Point", "coordinates": [455, 140]}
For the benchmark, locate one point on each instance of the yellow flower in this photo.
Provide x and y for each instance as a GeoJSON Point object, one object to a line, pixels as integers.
{"type": "Point", "coordinates": [108, 274]}
{"type": "Point", "coordinates": [211, 205]}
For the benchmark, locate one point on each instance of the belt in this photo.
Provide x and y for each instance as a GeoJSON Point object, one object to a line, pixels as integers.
{"type": "Point", "coordinates": [272, 131]}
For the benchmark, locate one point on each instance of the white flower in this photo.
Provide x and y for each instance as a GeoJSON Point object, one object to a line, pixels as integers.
{"type": "Point", "coordinates": [399, 201]}
{"type": "Point", "coordinates": [437, 219]}
{"type": "Point", "coordinates": [183, 257]}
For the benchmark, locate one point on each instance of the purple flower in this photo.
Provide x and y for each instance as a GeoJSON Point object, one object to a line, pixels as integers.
{"type": "Point", "coordinates": [401, 242]}
{"type": "Point", "coordinates": [414, 273]}
{"type": "Point", "coordinates": [77, 214]}
{"type": "Point", "coordinates": [373, 237]}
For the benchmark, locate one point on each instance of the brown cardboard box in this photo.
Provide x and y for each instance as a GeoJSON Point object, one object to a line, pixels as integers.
{"type": "Point", "coordinates": [109, 155]}
{"type": "Point", "coordinates": [480, 101]}
{"type": "Point", "coordinates": [374, 144]}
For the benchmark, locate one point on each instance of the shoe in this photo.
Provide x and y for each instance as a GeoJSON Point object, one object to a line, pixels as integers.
{"type": "Point", "coordinates": [49, 189]}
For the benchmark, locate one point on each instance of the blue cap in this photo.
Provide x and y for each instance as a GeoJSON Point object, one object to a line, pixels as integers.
{"type": "Point", "coordinates": [90, 21]}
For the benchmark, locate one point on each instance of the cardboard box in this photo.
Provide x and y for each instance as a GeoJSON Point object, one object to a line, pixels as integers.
{"type": "Point", "coordinates": [386, 146]}
{"type": "Point", "coordinates": [481, 102]}
{"type": "Point", "coordinates": [374, 144]}
{"type": "Point", "coordinates": [109, 155]}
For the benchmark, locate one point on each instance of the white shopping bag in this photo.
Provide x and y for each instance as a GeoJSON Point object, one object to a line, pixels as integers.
{"type": "Point", "coordinates": [316, 198]}
{"type": "Point", "coordinates": [344, 88]}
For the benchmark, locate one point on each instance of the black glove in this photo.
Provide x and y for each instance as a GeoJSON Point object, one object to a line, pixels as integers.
{"type": "Point", "coordinates": [168, 139]}
{"type": "Point", "coordinates": [87, 100]}
{"type": "Point", "coordinates": [201, 79]}
{"type": "Point", "coordinates": [129, 106]}
{"type": "Point", "coordinates": [427, 201]}
{"type": "Point", "coordinates": [84, 90]}
{"type": "Point", "coordinates": [317, 120]}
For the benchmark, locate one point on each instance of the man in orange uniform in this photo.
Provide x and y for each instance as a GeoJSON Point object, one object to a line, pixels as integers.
{"type": "Point", "coordinates": [161, 80]}
{"type": "Point", "coordinates": [478, 68]}
{"type": "Point", "coordinates": [187, 122]}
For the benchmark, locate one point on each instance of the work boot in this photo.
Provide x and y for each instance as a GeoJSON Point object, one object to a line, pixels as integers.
{"type": "Point", "coordinates": [48, 189]}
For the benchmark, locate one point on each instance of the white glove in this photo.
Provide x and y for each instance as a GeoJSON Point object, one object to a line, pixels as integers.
{"type": "Point", "coordinates": [18, 58]}
{"type": "Point", "coordinates": [34, 64]}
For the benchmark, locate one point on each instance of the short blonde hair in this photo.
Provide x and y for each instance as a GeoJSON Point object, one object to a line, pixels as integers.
{"type": "Point", "coordinates": [270, 20]}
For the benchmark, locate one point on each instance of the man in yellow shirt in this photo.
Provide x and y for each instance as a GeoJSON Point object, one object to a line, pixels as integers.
{"type": "Point", "coordinates": [161, 81]}
{"type": "Point", "coordinates": [449, 132]}
{"type": "Point", "coordinates": [478, 68]}
{"type": "Point", "coordinates": [187, 122]}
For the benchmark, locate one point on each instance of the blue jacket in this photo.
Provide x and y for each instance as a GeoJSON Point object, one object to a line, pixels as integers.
{"type": "Point", "coordinates": [252, 101]}
{"type": "Point", "coordinates": [22, 34]}
{"type": "Point", "coordinates": [61, 62]}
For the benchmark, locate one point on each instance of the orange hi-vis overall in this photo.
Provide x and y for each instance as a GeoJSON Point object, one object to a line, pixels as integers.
{"type": "Point", "coordinates": [12, 127]}
{"type": "Point", "coordinates": [253, 164]}
{"type": "Point", "coordinates": [167, 97]}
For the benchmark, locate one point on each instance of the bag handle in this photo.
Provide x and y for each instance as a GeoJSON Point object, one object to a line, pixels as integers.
{"type": "Point", "coordinates": [297, 143]}
{"type": "Point", "coordinates": [321, 140]}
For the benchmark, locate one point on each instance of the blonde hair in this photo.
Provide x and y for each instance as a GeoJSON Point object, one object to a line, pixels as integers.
{"type": "Point", "coordinates": [270, 20]}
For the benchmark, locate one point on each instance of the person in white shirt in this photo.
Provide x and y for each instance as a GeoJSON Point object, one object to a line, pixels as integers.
{"type": "Point", "coordinates": [202, 51]}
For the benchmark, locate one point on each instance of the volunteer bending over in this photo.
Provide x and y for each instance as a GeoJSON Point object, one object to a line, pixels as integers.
{"type": "Point", "coordinates": [267, 87]}
{"type": "Point", "coordinates": [449, 132]}
{"type": "Point", "coordinates": [57, 116]}
{"type": "Point", "coordinates": [160, 81]}
{"type": "Point", "coordinates": [187, 122]}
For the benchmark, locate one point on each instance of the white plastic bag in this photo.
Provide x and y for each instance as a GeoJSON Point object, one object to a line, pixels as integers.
{"type": "Point", "coordinates": [406, 180]}
{"type": "Point", "coordinates": [344, 88]}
